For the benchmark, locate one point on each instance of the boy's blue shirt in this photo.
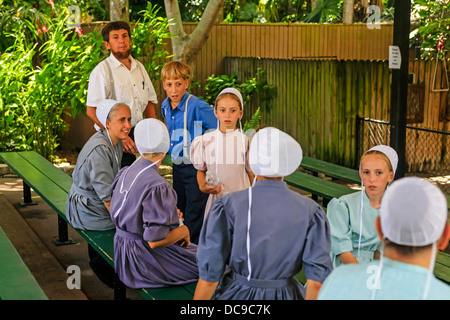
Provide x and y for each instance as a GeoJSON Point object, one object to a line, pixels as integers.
{"type": "Point", "coordinates": [200, 118]}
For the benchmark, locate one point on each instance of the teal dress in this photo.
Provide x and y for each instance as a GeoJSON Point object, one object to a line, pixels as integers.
{"type": "Point", "coordinates": [398, 281]}
{"type": "Point", "coordinates": [344, 218]}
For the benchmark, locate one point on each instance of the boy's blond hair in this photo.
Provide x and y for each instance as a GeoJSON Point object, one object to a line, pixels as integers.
{"type": "Point", "coordinates": [176, 70]}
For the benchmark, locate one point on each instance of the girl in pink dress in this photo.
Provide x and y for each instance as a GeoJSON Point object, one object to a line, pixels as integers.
{"type": "Point", "coordinates": [220, 156]}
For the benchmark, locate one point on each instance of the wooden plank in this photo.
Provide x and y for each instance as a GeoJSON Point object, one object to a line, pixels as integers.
{"type": "Point", "coordinates": [442, 267]}
{"type": "Point", "coordinates": [16, 280]}
{"type": "Point", "coordinates": [58, 176]}
{"type": "Point", "coordinates": [167, 293]}
{"type": "Point", "coordinates": [317, 186]}
{"type": "Point", "coordinates": [331, 170]}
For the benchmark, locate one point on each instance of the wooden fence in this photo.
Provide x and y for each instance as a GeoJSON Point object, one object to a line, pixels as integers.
{"type": "Point", "coordinates": [290, 41]}
{"type": "Point", "coordinates": [318, 100]}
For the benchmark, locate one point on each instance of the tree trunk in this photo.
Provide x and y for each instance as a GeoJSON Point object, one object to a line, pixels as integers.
{"type": "Point", "coordinates": [117, 10]}
{"type": "Point", "coordinates": [347, 17]}
{"type": "Point", "coordinates": [187, 46]}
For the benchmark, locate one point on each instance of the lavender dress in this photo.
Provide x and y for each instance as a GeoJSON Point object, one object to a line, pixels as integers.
{"type": "Point", "coordinates": [148, 214]}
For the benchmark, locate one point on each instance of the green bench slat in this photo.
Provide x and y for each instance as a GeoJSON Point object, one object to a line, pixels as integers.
{"type": "Point", "coordinates": [59, 177]}
{"type": "Point", "coordinates": [317, 186]}
{"type": "Point", "coordinates": [168, 293]}
{"type": "Point", "coordinates": [331, 170]}
{"type": "Point", "coordinates": [16, 280]}
{"type": "Point", "coordinates": [442, 266]}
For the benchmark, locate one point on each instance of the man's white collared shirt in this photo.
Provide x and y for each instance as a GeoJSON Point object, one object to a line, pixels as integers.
{"type": "Point", "coordinates": [132, 87]}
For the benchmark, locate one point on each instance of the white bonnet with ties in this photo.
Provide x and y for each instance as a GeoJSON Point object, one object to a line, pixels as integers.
{"type": "Point", "coordinates": [413, 212]}
{"type": "Point", "coordinates": [232, 91]}
{"type": "Point", "coordinates": [103, 109]}
{"type": "Point", "coordinates": [151, 136]}
{"type": "Point", "coordinates": [389, 152]}
{"type": "Point", "coordinates": [274, 153]}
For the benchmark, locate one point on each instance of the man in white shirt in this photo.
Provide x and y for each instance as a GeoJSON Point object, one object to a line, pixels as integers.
{"type": "Point", "coordinates": [124, 79]}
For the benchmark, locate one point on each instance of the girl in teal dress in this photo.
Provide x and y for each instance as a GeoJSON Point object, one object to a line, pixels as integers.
{"type": "Point", "coordinates": [352, 217]}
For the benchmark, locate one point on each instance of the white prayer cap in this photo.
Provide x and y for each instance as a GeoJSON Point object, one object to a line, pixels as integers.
{"type": "Point", "coordinates": [413, 212]}
{"type": "Point", "coordinates": [103, 109]}
{"type": "Point", "coordinates": [389, 152]}
{"type": "Point", "coordinates": [233, 91]}
{"type": "Point", "coordinates": [274, 153]}
{"type": "Point", "coordinates": [151, 136]}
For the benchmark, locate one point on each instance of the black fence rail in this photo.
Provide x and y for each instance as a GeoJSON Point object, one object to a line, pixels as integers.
{"type": "Point", "coordinates": [427, 153]}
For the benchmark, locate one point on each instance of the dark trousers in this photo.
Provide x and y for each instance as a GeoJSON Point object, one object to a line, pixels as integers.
{"type": "Point", "coordinates": [191, 201]}
{"type": "Point", "coordinates": [128, 158]}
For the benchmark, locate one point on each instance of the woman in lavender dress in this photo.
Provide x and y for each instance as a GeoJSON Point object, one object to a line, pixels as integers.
{"type": "Point", "coordinates": [151, 247]}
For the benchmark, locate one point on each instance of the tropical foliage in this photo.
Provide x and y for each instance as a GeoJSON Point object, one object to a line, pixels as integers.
{"type": "Point", "coordinates": [45, 65]}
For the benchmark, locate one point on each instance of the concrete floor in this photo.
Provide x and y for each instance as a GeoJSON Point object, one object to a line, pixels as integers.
{"type": "Point", "coordinates": [32, 230]}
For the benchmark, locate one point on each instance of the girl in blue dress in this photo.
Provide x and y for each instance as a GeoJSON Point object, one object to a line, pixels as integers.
{"type": "Point", "coordinates": [352, 217]}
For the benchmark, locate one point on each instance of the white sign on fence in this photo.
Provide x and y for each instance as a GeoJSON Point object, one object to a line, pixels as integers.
{"type": "Point", "coordinates": [395, 57]}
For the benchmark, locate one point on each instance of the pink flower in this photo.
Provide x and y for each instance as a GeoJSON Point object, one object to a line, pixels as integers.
{"type": "Point", "coordinates": [39, 31]}
{"type": "Point", "coordinates": [79, 31]}
{"type": "Point", "coordinates": [44, 28]}
{"type": "Point", "coordinates": [52, 4]}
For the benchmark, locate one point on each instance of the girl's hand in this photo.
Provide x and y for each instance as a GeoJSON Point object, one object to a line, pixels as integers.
{"type": "Point", "coordinates": [180, 214]}
{"type": "Point", "coordinates": [206, 188]}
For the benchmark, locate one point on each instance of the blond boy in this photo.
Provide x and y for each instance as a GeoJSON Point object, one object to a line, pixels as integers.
{"type": "Point", "coordinates": [186, 117]}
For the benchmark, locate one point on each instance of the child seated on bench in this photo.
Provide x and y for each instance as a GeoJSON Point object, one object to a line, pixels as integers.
{"type": "Point", "coordinates": [352, 217]}
{"type": "Point", "coordinates": [151, 247]}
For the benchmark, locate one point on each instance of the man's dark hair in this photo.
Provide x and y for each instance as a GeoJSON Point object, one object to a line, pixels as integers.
{"type": "Point", "coordinates": [405, 250]}
{"type": "Point", "coordinates": [115, 25]}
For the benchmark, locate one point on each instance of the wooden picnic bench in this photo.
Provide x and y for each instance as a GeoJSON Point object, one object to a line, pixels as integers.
{"type": "Point", "coordinates": [318, 186]}
{"type": "Point", "coordinates": [16, 280]}
{"type": "Point", "coordinates": [53, 185]}
{"type": "Point", "coordinates": [331, 170]}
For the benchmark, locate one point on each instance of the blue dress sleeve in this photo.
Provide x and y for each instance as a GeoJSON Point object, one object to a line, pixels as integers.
{"type": "Point", "coordinates": [159, 212]}
{"type": "Point", "coordinates": [316, 255]}
{"type": "Point", "coordinates": [215, 243]}
{"type": "Point", "coordinates": [338, 214]}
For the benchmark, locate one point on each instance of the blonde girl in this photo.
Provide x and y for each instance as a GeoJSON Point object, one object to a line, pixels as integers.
{"type": "Point", "coordinates": [352, 217]}
{"type": "Point", "coordinates": [220, 156]}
